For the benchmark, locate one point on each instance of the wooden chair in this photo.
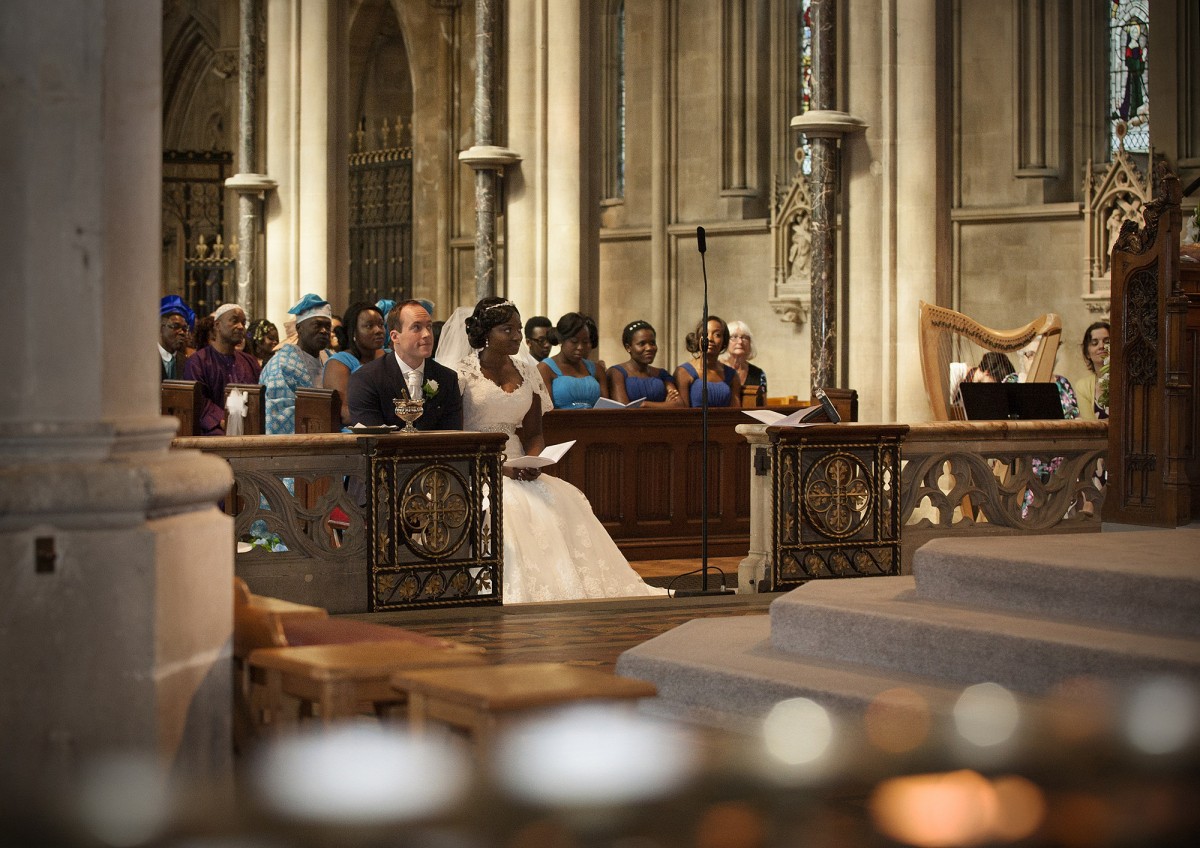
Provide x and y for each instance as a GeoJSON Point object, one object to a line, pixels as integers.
{"type": "Point", "coordinates": [477, 700]}
{"type": "Point", "coordinates": [284, 648]}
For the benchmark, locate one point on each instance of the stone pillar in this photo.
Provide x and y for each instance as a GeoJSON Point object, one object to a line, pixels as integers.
{"type": "Point", "coordinates": [552, 207]}
{"type": "Point", "coordinates": [916, 194]}
{"type": "Point", "coordinates": [115, 565]}
{"type": "Point", "coordinates": [487, 160]}
{"type": "Point", "coordinates": [525, 246]}
{"type": "Point", "coordinates": [824, 126]}
{"type": "Point", "coordinates": [251, 187]}
{"type": "Point", "coordinates": [301, 145]}
{"type": "Point", "coordinates": [826, 174]}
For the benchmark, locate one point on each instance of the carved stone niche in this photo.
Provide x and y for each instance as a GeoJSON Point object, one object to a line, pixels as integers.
{"type": "Point", "coordinates": [1116, 196]}
{"type": "Point", "coordinates": [791, 238]}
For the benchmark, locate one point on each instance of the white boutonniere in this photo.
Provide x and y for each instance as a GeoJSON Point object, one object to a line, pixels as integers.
{"type": "Point", "coordinates": [430, 389]}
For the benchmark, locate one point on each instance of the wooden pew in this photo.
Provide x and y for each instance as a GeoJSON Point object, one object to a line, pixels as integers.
{"type": "Point", "coordinates": [256, 413]}
{"type": "Point", "coordinates": [183, 399]}
{"type": "Point", "coordinates": [318, 411]}
{"type": "Point", "coordinates": [640, 470]}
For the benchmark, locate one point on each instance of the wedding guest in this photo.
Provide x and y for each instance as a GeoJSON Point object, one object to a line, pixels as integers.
{"type": "Point", "coordinates": [220, 363]}
{"type": "Point", "coordinates": [739, 357]}
{"type": "Point", "coordinates": [202, 334]}
{"type": "Point", "coordinates": [296, 365]}
{"type": "Point", "coordinates": [1095, 351]}
{"type": "Point", "coordinates": [724, 387]}
{"type": "Point", "coordinates": [539, 338]}
{"type": "Point", "coordinates": [364, 343]}
{"type": "Point", "coordinates": [637, 377]}
{"type": "Point", "coordinates": [575, 382]}
{"type": "Point", "coordinates": [175, 320]}
{"type": "Point", "coordinates": [555, 549]}
{"type": "Point", "coordinates": [261, 340]}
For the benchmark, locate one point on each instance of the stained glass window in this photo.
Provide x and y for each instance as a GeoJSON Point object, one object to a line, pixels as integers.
{"type": "Point", "coordinates": [804, 48]}
{"type": "Point", "coordinates": [1128, 98]}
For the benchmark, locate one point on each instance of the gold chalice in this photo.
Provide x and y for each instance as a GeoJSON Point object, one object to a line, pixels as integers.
{"type": "Point", "coordinates": [409, 410]}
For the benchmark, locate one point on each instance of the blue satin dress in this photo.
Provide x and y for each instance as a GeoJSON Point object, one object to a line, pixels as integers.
{"type": "Point", "coordinates": [574, 392]}
{"type": "Point", "coordinates": [651, 388]}
{"type": "Point", "coordinates": [719, 394]}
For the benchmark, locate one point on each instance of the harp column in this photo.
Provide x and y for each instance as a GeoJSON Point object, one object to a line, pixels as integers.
{"type": "Point", "coordinates": [824, 126]}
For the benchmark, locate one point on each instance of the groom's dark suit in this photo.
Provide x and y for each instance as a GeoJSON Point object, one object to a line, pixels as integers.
{"type": "Point", "coordinates": [373, 386]}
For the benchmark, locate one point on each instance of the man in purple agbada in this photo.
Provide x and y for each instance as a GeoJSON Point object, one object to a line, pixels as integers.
{"type": "Point", "coordinates": [219, 364]}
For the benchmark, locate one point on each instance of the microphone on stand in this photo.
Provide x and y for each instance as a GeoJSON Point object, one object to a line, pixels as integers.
{"type": "Point", "coordinates": [704, 590]}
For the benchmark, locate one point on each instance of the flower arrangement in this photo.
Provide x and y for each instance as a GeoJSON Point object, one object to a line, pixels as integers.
{"type": "Point", "coordinates": [430, 389]}
{"type": "Point", "coordinates": [1102, 381]}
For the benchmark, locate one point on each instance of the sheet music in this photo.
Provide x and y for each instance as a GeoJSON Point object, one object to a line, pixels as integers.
{"type": "Point", "coordinates": [549, 455]}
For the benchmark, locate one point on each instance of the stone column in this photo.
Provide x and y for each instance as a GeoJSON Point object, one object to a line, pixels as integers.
{"type": "Point", "coordinates": [825, 176]}
{"type": "Point", "coordinates": [916, 176]}
{"type": "Point", "coordinates": [251, 187]}
{"type": "Point", "coordinates": [486, 159]}
{"type": "Point", "coordinates": [525, 248]}
{"type": "Point", "coordinates": [824, 127]}
{"type": "Point", "coordinates": [115, 565]}
{"type": "Point", "coordinates": [552, 207]}
{"type": "Point", "coordinates": [300, 152]}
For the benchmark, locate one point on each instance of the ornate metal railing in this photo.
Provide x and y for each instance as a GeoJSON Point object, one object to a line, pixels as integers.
{"type": "Point", "coordinates": [431, 536]}
{"type": "Point", "coordinates": [990, 478]}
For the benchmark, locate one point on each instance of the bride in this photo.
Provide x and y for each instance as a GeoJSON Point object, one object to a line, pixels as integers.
{"type": "Point", "coordinates": [554, 547]}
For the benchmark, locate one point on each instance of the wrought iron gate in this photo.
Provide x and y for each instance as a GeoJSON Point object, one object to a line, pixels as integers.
{"type": "Point", "coordinates": [380, 218]}
{"type": "Point", "coordinates": [197, 265]}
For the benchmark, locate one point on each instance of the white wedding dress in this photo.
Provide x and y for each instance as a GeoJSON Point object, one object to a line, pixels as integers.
{"type": "Point", "coordinates": [555, 549]}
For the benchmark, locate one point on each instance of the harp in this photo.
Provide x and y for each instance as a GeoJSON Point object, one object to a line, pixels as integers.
{"type": "Point", "coordinates": [949, 337]}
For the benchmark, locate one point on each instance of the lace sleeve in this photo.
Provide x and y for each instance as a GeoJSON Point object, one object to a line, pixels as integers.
{"type": "Point", "coordinates": [533, 376]}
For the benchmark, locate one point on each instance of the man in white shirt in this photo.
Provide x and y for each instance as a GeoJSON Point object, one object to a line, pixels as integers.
{"type": "Point", "coordinates": [407, 372]}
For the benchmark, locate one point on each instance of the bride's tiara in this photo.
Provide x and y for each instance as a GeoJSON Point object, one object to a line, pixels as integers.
{"type": "Point", "coordinates": [498, 305]}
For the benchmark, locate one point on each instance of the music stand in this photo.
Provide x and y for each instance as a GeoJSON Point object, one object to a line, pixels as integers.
{"type": "Point", "coordinates": [1011, 401]}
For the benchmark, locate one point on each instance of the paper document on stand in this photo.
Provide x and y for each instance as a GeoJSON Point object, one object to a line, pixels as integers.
{"type": "Point", "coordinates": [778, 419]}
{"type": "Point", "coordinates": [608, 403]}
{"type": "Point", "coordinates": [549, 455]}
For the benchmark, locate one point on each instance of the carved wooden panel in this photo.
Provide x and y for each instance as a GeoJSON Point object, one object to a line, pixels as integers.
{"type": "Point", "coordinates": [604, 480]}
{"type": "Point", "coordinates": [656, 468]}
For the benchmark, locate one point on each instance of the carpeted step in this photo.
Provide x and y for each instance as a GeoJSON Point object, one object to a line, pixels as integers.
{"type": "Point", "coordinates": [1149, 582]}
{"type": "Point", "coordinates": [883, 623]}
{"type": "Point", "coordinates": [724, 672]}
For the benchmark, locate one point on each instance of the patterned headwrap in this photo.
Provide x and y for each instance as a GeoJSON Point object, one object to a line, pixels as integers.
{"type": "Point", "coordinates": [311, 306]}
{"type": "Point", "coordinates": [173, 304]}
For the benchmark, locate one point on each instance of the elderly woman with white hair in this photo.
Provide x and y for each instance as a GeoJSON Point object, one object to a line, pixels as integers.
{"type": "Point", "coordinates": [738, 356]}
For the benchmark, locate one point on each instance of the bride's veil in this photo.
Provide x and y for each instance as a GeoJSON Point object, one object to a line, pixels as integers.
{"type": "Point", "coordinates": [453, 346]}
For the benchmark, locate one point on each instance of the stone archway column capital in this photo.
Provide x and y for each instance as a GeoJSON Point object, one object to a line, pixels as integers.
{"type": "Point", "coordinates": [489, 157]}
{"type": "Point", "coordinates": [827, 123]}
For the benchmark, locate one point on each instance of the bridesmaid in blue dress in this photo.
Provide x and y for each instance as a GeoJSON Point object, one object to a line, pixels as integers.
{"type": "Point", "coordinates": [638, 378]}
{"type": "Point", "coordinates": [575, 382]}
{"type": "Point", "coordinates": [724, 387]}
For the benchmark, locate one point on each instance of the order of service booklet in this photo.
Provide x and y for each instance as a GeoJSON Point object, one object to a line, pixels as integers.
{"type": "Point", "coordinates": [608, 403]}
{"type": "Point", "coordinates": [549, 455]}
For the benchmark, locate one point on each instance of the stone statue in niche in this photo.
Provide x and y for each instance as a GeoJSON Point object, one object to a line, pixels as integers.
{"type": "Point", "coordinates": [800, 249]}
{"type": "Point", "coordinates": [1124, 209]}
{"type": "Point", "coordinates": [791, 237]}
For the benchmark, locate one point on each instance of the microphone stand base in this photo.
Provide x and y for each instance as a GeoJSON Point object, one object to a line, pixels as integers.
{"type": "Point", "coordinates": [703, 593]}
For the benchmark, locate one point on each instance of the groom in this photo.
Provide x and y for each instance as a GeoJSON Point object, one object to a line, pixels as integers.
{"type": "Point", "coordinates": [406, 371]}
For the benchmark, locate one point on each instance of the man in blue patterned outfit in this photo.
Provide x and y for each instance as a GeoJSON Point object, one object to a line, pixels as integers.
{"type": "Point", "coordinates": [296, 366]}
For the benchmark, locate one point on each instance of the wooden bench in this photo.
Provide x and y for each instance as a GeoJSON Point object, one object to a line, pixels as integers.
{"type": "Point", "coordinates": [478, 699]}
{"type": "Point", "coordinates": [339, 680]}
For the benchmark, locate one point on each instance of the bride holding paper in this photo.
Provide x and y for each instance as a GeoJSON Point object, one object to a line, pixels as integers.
{"type": "Point", "coordinates": [554, 547]}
